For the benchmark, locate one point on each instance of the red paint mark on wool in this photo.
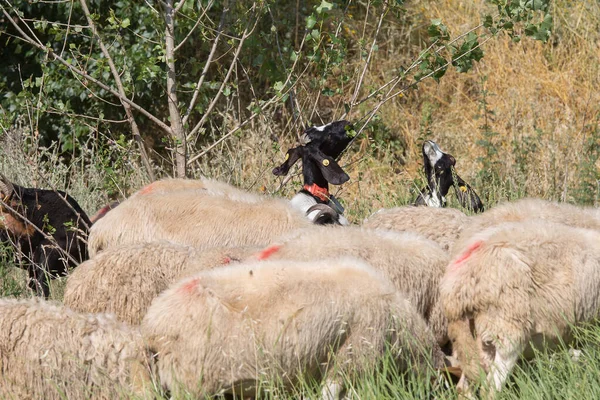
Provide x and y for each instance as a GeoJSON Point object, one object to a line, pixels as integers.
{"type": "Point", "coordinates": [226, 260]}
{"type": "Point", "coordinates": [466, 254]}
{"type": "Point", "coordinates": [147, 189]}
{"type": "Point", "coordinates": [190, 286]}
{"type": "Point", "coordinates": [268, 252]}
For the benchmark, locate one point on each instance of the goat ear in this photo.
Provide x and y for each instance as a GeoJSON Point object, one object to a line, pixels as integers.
{"type": "Point", "coordinates": [467, 197]}
{"type": "Point", "coordinates": [291, 157]}
{"type": "Point", "coordinates": [6, 188]}
{"type": "Point", "coordinates": [330, 169]}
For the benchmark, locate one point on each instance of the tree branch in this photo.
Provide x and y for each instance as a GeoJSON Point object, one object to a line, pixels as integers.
{"type": "Point", "coordinates": [212, 104]}
{"type": "Point", "coordinates": [134, 127]}
{"type": "Point", "coordinates": [176, 125]}
{"type": "Point", "coordinates": [206, 65]}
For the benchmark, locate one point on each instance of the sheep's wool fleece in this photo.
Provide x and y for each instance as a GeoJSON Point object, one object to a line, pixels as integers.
{"type": "Point", "coordinates": [528, 209]}
{"type": "Point", "coordinates": [442, 225]}
{"type": "Point", "coordinates": [229, 327]}
{"type": "Point", "coordinates": [50, 352]}
{"type": "Point", "coordinates": [411, 262]}
{"type": "Point", "coordinates": [523, 279]}
{"type": "Point", "coordinates": [125, 279]}
{"type": "Point", "coordinates": [202, 221]}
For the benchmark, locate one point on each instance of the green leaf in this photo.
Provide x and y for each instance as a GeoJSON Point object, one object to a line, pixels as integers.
{"type": "Point", "coordinates": [310, 21]}
{"type": "Point", "coordinates": [125, 23]}
{"type": "Point", "coordinates": [325, 6]}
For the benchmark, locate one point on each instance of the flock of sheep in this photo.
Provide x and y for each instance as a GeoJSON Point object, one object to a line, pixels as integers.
{"type": "Point", "coordinates": [205, 289]}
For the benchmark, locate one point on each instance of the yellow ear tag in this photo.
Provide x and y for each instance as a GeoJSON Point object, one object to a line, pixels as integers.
{"type": "Point", "coordinates": [463, 188]}
{"type": "Point", "coordinates": [287, 156]}
{"type": "Point", "coordinates": [326, 162]}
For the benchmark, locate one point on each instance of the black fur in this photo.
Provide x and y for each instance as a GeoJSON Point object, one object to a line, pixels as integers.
{"type": "Point", "coordinates": [66, 227]}
{"type": "Point", "coordinates": [318, 155]}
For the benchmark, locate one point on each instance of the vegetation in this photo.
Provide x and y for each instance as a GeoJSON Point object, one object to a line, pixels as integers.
{"type": "Point", "coordinates": [100, 102]}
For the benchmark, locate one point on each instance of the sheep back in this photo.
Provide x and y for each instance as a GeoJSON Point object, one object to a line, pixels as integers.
{"type": "Point", "coordinates": [124, 280]}
{"type": "Point", "coordinates": [528, 209]}
{"type": "Point", "coordinates": [50, 352]}
{"type": "Point", "coordinates": [229, 327]}
{"type": "Point", "coordinates": [413, 263]}
{"type": "Point", "coordinates": [442, 225]}
{"type": "Point", "coordinates": [201, 221]}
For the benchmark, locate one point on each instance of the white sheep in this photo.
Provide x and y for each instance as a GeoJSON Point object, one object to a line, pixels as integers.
{"type": "Point", "coordinates": [124, 280]}
{"type": "Point", "coordinates": [188, 218]}
{"type": "Point", "coordinates": [50, 352]}
{"type": "Point", "coordinates": [526, 209]}
{"type": "Point", "coordinates": [224, 330]}
{"type": "Point", "coordinates": [442, 225]}
{"type": "Point", "coordinates": [413, 263]}
{"type": "Point", "coordinates": [516, 286]}
{"type": "Point", "coordinates": [203, 185]}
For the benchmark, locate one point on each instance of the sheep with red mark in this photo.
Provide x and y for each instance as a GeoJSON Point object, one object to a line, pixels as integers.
{"type": "Point", "coordinates": [124, 280]}
{"type": "Point", "coordinates": [200, 221]}
{"type": "Point", "coordinates": [203, 186]}
{"type": "Point", "coordinates": [50, 352]}
{"type": "Point", "coordinates": [224, 330]}
{"type": "Point", "coordinates": [48, 227]}
{"type": "Point", "coordinates": [413, 263]}
{"type": "Point", "coordinates": [528, 209]}
{"type": "Point", "coordinates": [442, 225]}
{"type": "Point", "coordinates": [518, 286]}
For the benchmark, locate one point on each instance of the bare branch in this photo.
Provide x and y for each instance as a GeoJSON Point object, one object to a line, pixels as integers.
{"type": "Point", "coordinates": [212, 104]}
{"type": "Point", "coordinates": [134, 127]}
{"type": "Point", "coordinates": [206, 65]}
{"type": "Point", "coordinates": [368, 60]}
{"type": "Point", "coordinates": [193, 27]}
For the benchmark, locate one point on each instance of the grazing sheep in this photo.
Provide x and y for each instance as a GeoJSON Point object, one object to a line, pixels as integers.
{"type": "Point", "coordinates": [203, 185]}
{"type": "Point", "coordinates": [48, 227]}
{"type": "Point", "coordinates": [516, 286]}
{"type": "Point", "coordinates": [439, 169]}
{"type": "Point", "coordinates": [442, 225]}
{"type": "Point", "coordinates": [526, 209]}
{"type": "Point", "coordinates": [413, 263]}
{"type": "Point", "coordinates": [124, 280]}
{"type": "Point", "coordinates": [221, 331]}
{"type": "Point", "coordinates": [50, 352]}
{"type": "Point", "coordinates": [200, 221]}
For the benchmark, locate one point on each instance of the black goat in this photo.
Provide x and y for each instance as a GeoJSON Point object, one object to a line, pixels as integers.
{"type": "Point", "coordinates": [441, 177]}
{"type": "Point", "coordinates": [48, 228]}
{"type": "Point", "coordinates": [319, 148]}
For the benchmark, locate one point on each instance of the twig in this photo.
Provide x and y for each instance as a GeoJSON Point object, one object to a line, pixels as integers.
{"type": "Point", "coordinates": [212, 104]}
{"type": "Point", "coordinates": [134, 127]}
{"type": "Point", "coordinates": [206, 65]}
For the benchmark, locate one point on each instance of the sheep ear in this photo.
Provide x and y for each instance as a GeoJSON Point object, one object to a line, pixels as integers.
{"type": "Point", "coordinates": [6, 188]}
{"type": "Point", "coordinates": [330, 169]}
{"type": "Point", "coordinates": [467, 197]}
{"type": "Point", "coordinates": [291, 157]}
